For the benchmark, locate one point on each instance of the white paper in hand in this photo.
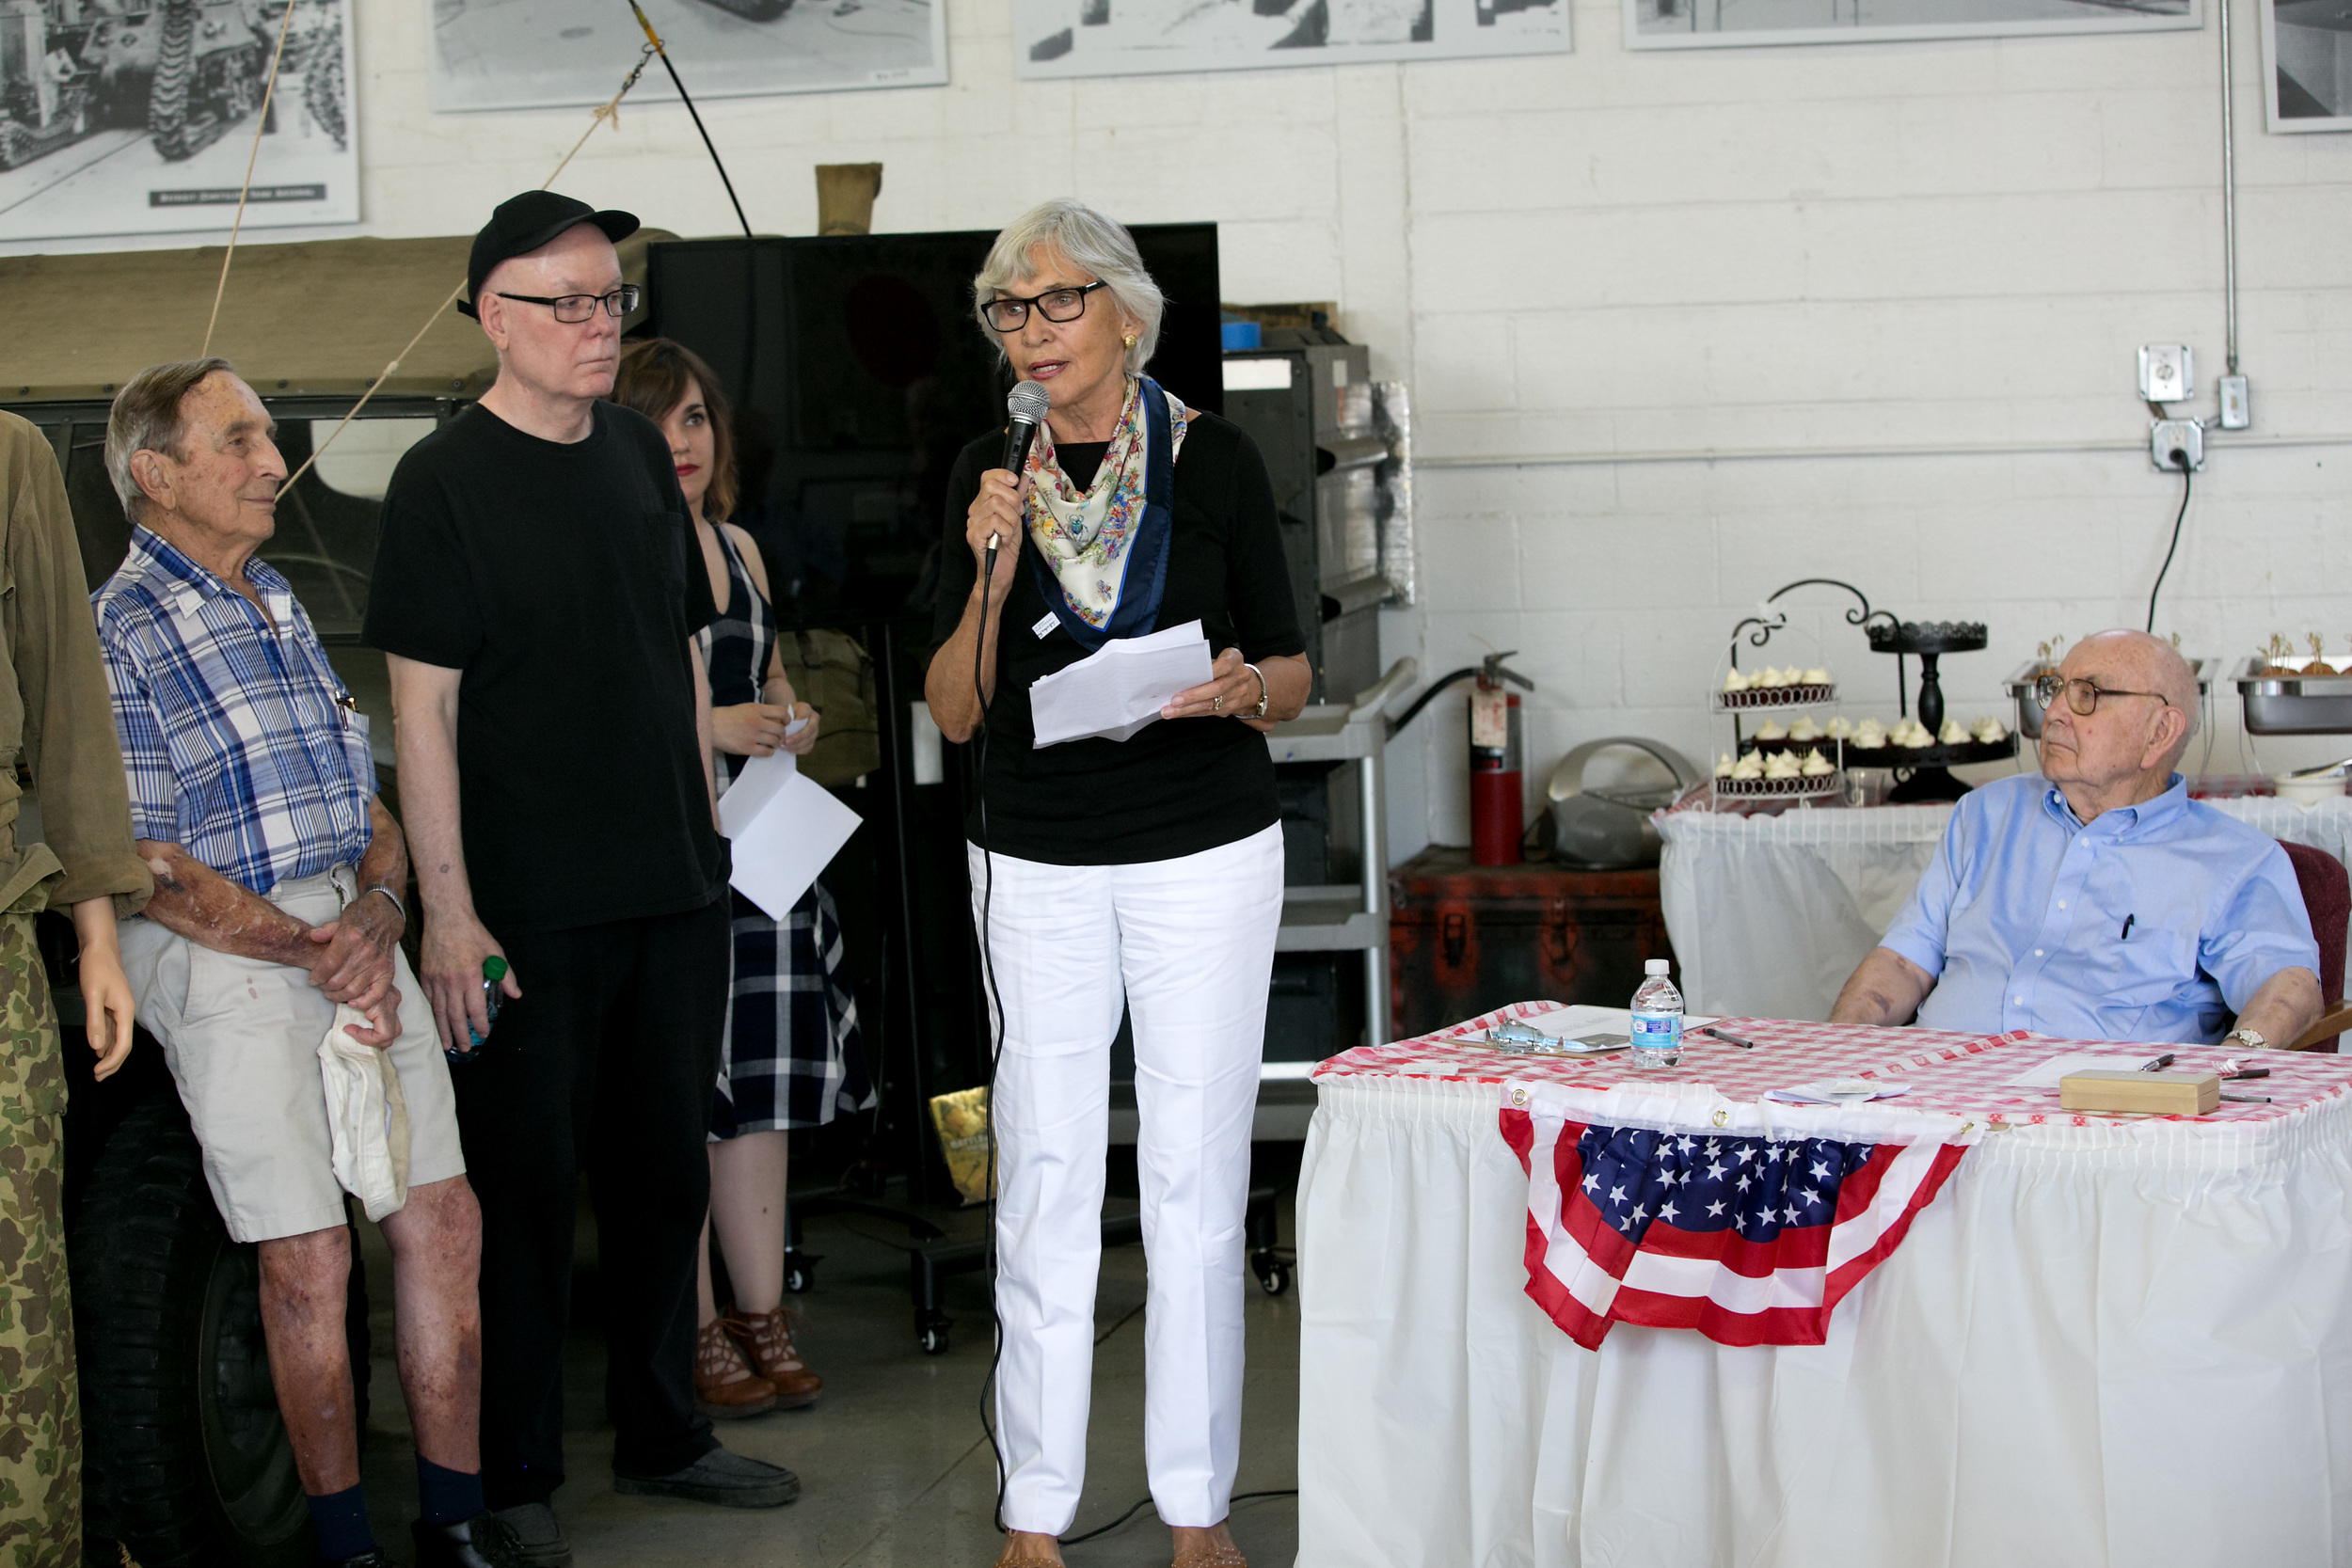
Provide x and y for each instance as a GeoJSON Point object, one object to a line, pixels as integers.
{"type": "Point", "coordinates": [784, 828]}
{"type": "Point", "coordinates": [1113, 693]}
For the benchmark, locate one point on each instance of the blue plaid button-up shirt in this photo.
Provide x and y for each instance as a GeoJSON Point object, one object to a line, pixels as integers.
{"type": "Point", "coordinates": [238, 738]}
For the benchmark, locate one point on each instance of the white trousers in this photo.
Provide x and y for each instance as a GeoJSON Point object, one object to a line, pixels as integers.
{"type": "Point", "coordinates": [1189, 945]}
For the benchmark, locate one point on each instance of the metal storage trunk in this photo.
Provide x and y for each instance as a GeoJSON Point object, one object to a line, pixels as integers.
{"type": "Point", "coordinates": [1464, 940]}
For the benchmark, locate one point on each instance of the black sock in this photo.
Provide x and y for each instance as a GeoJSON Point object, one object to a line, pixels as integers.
{"type": "Point", "coordinates": [341, 1519]}
{"type": "Point", "coordinates": [446, 1497]}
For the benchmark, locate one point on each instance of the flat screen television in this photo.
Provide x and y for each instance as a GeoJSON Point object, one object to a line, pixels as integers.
{"type": "Point", "coordinates": [857, 371]}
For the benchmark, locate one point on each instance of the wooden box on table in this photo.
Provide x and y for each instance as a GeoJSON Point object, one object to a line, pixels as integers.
{"type": "Point", "coordinates": [1464, 939]}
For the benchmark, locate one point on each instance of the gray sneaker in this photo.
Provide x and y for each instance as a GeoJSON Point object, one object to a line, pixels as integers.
{"type": "Point", "coordinates": [538, 1539]}
{"type": "Point", "coordinates": [728, 1480]}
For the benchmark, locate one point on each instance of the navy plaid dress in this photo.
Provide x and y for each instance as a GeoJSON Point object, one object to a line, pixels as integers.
{"type": "Point", "coordinates": [792, 1056]}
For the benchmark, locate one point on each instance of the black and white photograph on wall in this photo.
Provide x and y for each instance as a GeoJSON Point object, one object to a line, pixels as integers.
{"type": "Point", "coordinates": [136, 117]}
{"type": "Point", "coordinates": [541, 53]}
{"type": "Point", "coordinates": [2307, 64]}
{"type": "Point", "coordinates": [1722, 24]}
{"type": "Point", "coordinates": [1125, 37]}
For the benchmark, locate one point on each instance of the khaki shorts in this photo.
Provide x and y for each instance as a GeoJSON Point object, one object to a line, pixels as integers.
{"type": "Point", "coordinates": [242, 1036]}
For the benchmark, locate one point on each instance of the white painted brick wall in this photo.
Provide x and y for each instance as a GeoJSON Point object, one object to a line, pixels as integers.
{"type": "Point", "coordinates": [1794, 250]}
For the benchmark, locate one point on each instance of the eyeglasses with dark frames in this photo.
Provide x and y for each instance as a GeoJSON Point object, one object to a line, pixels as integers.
{"type": "Point", "coordinates": [2082, 695]}
{"type": "Point", "coordinates": [1010, 314]}
{"type": "Point", "coordinates": [571, 309]}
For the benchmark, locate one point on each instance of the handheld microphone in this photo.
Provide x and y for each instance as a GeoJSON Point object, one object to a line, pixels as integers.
{"type": "Point", "coordinates": [1024, 407]}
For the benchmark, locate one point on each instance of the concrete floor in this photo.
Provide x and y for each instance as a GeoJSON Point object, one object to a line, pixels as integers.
{"type": "Point", "coordinates": [894, 1468]}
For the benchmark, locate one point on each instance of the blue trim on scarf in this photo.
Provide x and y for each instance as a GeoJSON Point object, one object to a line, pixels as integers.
{"type": "Point", "coordinates": [1137, 611]}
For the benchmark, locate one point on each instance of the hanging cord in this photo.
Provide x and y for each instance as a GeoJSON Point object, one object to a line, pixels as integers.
{"type": "Point", "coordinates": [995, 1045]}
{"type": "Point", "coordinates": [610, 112]}
{"type": "Point", "coordinates": [653, 41]}
{"type": "Point", "coordinates": [259, 122]}
{"type": "Point", "coordinates": [2181, 458]}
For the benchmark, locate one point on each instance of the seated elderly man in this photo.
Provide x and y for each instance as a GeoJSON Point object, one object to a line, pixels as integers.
{"type": "Point", "coordinates": [2096, 900]}
{"type": "Point", "coordinates": [277, 902]}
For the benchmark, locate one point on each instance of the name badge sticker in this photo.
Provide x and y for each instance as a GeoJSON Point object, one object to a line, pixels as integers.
{"type": "Point", "coordinates": [1045, 623]}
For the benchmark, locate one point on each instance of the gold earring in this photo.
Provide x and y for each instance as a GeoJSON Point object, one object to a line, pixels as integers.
{"type": "Point", "coordinates": [1129, 340]}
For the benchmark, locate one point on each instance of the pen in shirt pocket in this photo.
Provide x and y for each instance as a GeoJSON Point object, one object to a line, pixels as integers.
{"type": "Point", "coordinates": [2125, 934]}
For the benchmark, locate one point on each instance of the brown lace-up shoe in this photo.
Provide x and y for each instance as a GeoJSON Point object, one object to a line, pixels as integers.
{"type": "Point", "coordinates": [765, 1342]}
{"type": "Point", "coordinates": [724, 1389]}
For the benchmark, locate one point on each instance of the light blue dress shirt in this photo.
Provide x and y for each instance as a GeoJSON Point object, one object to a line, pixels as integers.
{"type": "Point", "coordinates": [2155, 922]}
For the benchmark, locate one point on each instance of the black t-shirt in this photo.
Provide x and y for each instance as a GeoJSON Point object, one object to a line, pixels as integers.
{"type": "Point", "coordinates": [564, 580]}
{"type": "Point", "coordinates": [1181, 786]}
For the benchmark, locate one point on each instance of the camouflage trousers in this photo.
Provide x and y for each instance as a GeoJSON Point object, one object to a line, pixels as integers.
{"type": "Point", "coordinates": [41, 1423]}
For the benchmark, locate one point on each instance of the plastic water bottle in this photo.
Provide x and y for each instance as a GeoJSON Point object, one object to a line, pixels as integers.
{"type": "Point", "coordinates": [493, 997]}
{"type": "Point", "coordinates": [1657, 1019]}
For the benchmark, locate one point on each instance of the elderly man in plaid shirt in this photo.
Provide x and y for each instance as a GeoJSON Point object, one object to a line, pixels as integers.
{"type": "Point", "coordinates": [278, 913]}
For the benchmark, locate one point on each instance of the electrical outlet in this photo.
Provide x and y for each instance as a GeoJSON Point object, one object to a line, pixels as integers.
{"type": "Point", "coordinates": [2165, 373]}
{"type": "Point", "coordinates": [2237, 407]}
{"type": "Point", "coordinates": [2166, 436]}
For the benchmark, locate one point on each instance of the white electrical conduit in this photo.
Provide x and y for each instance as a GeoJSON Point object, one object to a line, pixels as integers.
{"type": "Point", "coordinates": [1793, 454]}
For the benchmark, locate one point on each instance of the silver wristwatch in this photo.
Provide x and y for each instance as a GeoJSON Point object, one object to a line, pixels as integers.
{"type": "Point", "coordinates": [2248, 1036]}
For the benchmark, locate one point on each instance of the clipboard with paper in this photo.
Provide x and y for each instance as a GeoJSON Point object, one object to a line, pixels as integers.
{"type": "Point", "coordinates": [1118, 690]}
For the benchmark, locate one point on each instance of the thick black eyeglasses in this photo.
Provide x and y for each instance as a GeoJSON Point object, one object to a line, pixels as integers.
{"type": "Point", "coordinates": [2082, 695]}
{"type": "Point", "coordinates": [1056, 304]}
{"type": "Point", "coordinates": [571, 309]}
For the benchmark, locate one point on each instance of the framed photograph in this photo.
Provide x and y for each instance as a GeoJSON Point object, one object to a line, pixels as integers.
{"type": "Point", "coordinates": [1726, 24]}
{"type": "Point", "coordinates": [1127, 38]}
{"type": "Point", "coordinates": [542, 53]}
{"type": "Point", "coordinates": [2307, 64]}
{"type": "Point", "coordinates": [123, 118]}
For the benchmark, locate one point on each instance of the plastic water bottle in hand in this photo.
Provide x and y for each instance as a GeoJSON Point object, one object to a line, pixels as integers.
{"type": "Point", "coordinates": [1657, 1019]}
{"type": "Point", "coordinates": [493, 998]}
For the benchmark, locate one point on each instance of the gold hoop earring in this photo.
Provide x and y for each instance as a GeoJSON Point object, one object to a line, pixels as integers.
{"type": "Point", "coordinates": [1129, 340]}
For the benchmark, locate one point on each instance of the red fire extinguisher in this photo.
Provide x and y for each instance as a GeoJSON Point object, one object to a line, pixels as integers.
{"type": "Point", "coordinates": [1497, 747]}
{"type": "Point", "coordinates": [1495, 750]}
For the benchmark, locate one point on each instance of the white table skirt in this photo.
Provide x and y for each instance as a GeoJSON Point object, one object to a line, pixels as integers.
{"type": "Point", "coordinates": [2128, 1345]}
{"type": "Point", "coordinates": [1770, 914]}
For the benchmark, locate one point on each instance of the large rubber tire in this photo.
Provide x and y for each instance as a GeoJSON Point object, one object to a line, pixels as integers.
{"type": "Point", "coordinates": [186, 1461]}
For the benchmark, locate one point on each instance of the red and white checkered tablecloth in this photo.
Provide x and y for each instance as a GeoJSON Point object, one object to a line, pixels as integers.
{"type": "Point", "coordinates": [1963, 1075]}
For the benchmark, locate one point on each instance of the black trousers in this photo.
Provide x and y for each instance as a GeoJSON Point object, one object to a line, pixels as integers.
{"type": "Point", "coordinates": [607, 1062]}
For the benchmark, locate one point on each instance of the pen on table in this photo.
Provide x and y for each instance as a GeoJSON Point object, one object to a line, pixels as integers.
{"type": "Point", "coordinates": [2159, 1064]}
{"type": "Point", "coordinates": [1726, 1036]}
{"type": "Point", "coordinates": [2247, 1099]}
{"type": "Point", "coordinates": [2125, 934]}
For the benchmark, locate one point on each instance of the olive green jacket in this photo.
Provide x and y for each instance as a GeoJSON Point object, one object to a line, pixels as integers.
{"type": "Point", "coordinates": [55, 716]}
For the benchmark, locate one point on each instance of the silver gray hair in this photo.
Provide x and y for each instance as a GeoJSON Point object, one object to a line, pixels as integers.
{"type": "Point", "coordinates": [146, 418]}
{"type": "Point", "coordinates": [1090, 241]}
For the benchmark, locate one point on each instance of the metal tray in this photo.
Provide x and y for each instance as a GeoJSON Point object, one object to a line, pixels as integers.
{"type": "Point", "coordinates": [2021, 681]}
{"type": "Point", "coordinates": [2288, 705]}
{"type": "Point", "coordinates": [1931, 756]}
{"type": "Point", "coordinates": [1800, 694]}
{"type": "Point", "coordinates": [1829, 784]}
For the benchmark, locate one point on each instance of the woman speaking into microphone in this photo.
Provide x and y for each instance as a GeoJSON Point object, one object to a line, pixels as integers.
{"type": "Point", "coordinates": [1147, 872]}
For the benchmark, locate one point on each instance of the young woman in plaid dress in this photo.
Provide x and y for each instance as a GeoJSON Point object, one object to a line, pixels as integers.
{"type": "Point", "coordinates": [792, 1056]}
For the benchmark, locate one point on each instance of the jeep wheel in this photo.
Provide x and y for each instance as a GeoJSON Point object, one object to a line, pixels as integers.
{"type": "Point", "coordinates": [186, 1459]}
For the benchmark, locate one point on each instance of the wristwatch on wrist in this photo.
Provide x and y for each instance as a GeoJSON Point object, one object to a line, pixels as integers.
{"type": "Point", "coordinates": [2248, 1036]}
{"type": "Point", "coordinates": [1263, 693]}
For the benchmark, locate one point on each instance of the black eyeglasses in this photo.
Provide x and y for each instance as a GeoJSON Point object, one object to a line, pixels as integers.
{"type": "Point", "coordinates": [1056, 304]}
{"type": "Point", "coordinates": [571, 309]}
{"type": "Point", "coordinates": [2082, 695]}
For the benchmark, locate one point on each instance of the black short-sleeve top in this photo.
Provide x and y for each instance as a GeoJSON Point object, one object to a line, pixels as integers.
{"type": "Point", "coordinates": [563, 580]}
{"type": "Point", "coordinates": [1178, 787]}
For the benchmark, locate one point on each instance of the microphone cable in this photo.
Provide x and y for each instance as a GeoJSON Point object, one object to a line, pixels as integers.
{"type": "Point", "coordinates": [996, 1036]}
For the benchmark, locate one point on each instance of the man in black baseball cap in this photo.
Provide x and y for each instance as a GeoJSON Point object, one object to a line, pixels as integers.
{"type": "Point", "coordinates": [522, 224]}
{"type": "Point", "coordinates": [537, 571]}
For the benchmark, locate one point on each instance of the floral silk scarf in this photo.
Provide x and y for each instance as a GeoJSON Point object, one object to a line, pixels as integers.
{"type": "Point", "coordinates": [1101, 556]}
